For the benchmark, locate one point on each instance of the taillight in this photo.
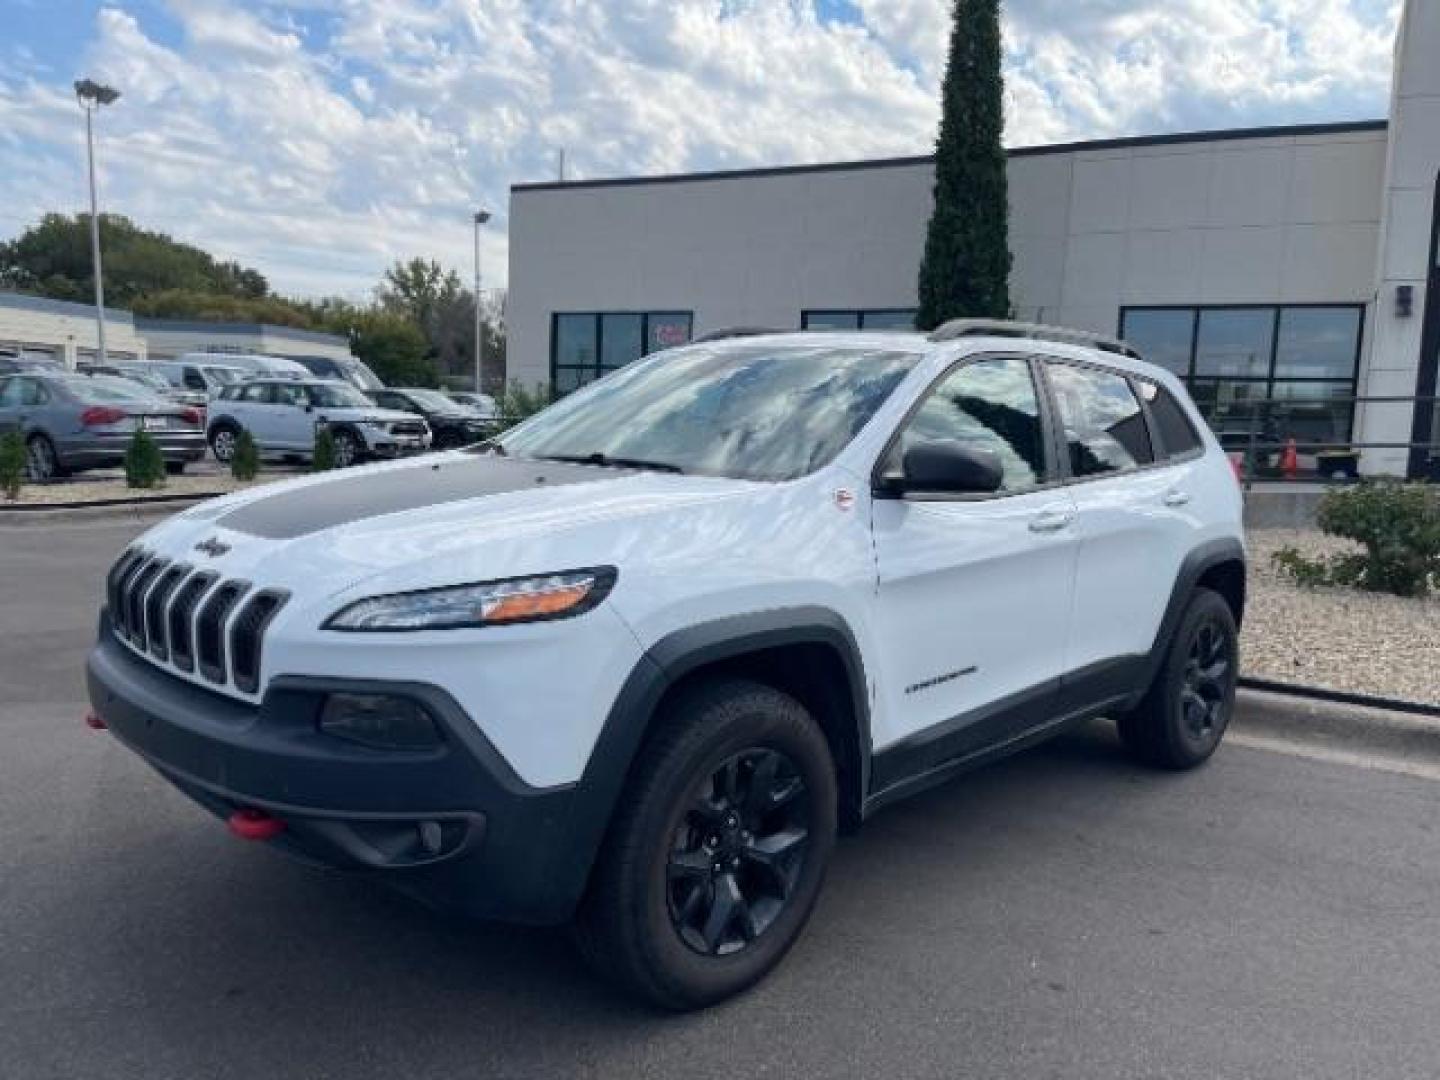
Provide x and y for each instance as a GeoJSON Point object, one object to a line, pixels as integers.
{"type": "Point", "coordinates": [102, 416]}
{"type": "Point", "coordinates": [192, 416]}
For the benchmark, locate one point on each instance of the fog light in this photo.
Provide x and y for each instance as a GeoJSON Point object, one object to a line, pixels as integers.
{"type": "Point", "coordinates": [379, 720]}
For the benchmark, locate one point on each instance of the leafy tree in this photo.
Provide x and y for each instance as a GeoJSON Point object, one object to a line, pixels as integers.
{"type": "Point", "coordinates": [966, 266]}
{"type": "Point", "coordinates": [12, 464]}
{"type": "Point", "coordinates": [217, 307]}
{"type": "Point", "coordinates": [519, 402]}
{"type": "Point", "coordinates": [245, 464]}
{"type": "Point", "coordinates": [323, 459]}
{"type": "Point", "coordinates": [392, 345]}
{"type": "Point", "coordinates": [437, 301]}
{"type": "Point", "coordinates": [144, 464]}
{"type": "Point", "coordinates": [53, 259]}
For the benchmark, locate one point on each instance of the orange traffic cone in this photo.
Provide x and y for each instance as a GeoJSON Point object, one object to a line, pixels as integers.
{"type": "Point", "coordinates": [1290, 460]}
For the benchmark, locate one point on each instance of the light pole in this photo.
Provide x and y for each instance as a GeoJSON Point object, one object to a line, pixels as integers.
{"type": "Point", "coordinates": [91, 96]}
{"type": "Point", "coordinates": [481, 217]}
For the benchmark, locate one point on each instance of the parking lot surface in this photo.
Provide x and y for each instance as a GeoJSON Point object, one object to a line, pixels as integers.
{"type": "Point", "coordinates": [1062, 914]}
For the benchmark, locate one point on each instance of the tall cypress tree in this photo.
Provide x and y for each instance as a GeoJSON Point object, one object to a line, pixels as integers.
{"type": "Point", "coordinates": [966, 268]}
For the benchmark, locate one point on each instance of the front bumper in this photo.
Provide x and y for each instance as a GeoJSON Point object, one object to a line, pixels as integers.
{"type": "Point", "coordinates": [453, 826]}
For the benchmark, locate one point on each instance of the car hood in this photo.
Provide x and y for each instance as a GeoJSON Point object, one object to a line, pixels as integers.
{"type": "Point", "coordinates": [443, 519]}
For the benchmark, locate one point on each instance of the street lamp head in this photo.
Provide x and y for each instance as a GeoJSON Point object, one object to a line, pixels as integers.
{"type": "Point", "coordinates": [93, 94]}
{"type": "Point", "coordinates": [482, 216]}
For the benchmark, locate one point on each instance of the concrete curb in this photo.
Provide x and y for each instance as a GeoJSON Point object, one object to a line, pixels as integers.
{"type": "Point", "coordinates": [130, 509]}
{"type": "Point", "coordinates": [1338, 729]}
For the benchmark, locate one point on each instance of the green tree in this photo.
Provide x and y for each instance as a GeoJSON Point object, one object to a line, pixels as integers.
{"type": "Point", "coordinates": [52, 258]}
{"type": "Point", "coordinates": [12, 464]}
{"type": "Point", "coordinates": [392, 345]}
{"type": "Point", "coordinates": [323, 458]}
{"type": "Point", "coordinates": [245, 464]}
{"type": "Point", "coordinates": [966, 267]}
{"type": "Point", "coordinates": [144, 464]}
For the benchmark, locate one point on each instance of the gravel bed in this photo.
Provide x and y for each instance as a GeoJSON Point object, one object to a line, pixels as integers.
{"type": "Point", "coordinates": [1341, 639]}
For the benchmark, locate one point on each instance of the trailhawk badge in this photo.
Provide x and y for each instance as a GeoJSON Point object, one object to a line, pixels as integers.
{"type": "Point", "coordinates": [212, 547]}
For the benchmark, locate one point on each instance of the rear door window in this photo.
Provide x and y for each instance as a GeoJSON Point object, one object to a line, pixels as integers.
{"type": "Point", "coordinates": [1101, 422]}
{"type": "Point", "coordinates": [1177, 435]}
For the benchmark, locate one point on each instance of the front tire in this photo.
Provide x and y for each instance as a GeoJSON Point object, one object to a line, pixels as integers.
{"type": "Point", "coordinates": [1183, 716]}
{"type": "Point", "coordinates": [223, 438]}
{"type": "Point", "coordinates": [718, 849]}
{"type": "Point", "coordinates": [347, 449]}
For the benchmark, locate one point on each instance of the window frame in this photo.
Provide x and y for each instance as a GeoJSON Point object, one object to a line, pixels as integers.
{"type": "Point", "coordinates": [597, 370]}
{"type": "Point", "coordinates": [1190, 380]}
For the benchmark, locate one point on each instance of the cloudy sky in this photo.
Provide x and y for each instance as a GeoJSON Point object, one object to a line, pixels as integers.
{"type": "Point", "coordinates": [318, 140]}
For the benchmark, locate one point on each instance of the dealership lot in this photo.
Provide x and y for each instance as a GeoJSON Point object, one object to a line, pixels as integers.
{"type": "Point", "coordinates": [1061, 914]}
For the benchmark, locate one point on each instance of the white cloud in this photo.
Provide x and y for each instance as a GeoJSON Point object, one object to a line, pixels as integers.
{"type": "Point", "coordinates": [320, 139]}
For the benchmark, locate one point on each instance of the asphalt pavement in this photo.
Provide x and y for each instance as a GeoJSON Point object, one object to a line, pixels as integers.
{"type": "Point", "coordinates": [1061, 914]}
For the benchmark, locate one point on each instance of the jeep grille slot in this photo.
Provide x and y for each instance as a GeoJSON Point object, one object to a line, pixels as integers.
{"type": "Point", "coordinates": [123, 566]}
{"type": "Point", "coordinates": [124, 571]}
{"type": "Point", "coordinates": [182, 639]}
{"type": "Point", "coordinates": [135, 598]}
{"type": "Point", "coordinates": [210, 629]}
{"type": "Point", "coordinates": [155, 621]}
{"type": "Point", "coordinates": [246, 637]}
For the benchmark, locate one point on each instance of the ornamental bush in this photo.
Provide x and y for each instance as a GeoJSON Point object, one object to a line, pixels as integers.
{"type": "Point", "coordinates": [323, 459]}
{"type": "Point", "coordinates": [1398, 526]}
{"type": "Point", "coordinates": [245, 462]}
{"type": "Point", "coordinates": [12, 464]}
{"type": "Point", "coordinates": [144, 464]}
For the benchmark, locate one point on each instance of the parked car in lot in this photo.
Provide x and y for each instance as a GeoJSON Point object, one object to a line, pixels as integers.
{"type": "Point", "coordinates": [252, 365]}
{"type": "Point", "coordinates": [483, 404]}
{"type": "Point", "coordinates": [145, 375]}
{"type": "Point", "coordinates": [451, 424]}
{"type": "Point", "coordinates": [352, 371]}
{"type": "Point", "coordinates": [636, 661]}
{"type": "Point", "coordinates": [72, 422]}
{"type": "Point", "coordinates": [12, 363]}
{"type": "Point", "coordinates": [201, 378]}
{"type": "Point", "coordinates": [282, 416]}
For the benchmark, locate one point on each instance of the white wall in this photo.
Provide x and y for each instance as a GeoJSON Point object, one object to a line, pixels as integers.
{"type": "Point", "coordinates": [1404, 245]}
{"type": "Point", "coordinates": [65, 328]}
{"type": "Point", "coordinates": [1245, 220]}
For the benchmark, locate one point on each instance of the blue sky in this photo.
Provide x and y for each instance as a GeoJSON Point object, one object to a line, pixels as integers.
{"type": "Point", "coordinates": [318, 140]}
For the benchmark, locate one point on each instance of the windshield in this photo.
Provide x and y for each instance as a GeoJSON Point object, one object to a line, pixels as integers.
{"type": "Point", "coordinates": [363, 377]}
{"type": "Point", "coordinates": [149, 378]}
{"type": "Point", "coordinates": [435, 401]}
{"type": "Point", "coordinates": [753, 412]}
{"type": "Point", "coordinates": [338, 395]}
{"type": "Point", "coordinates": [106, 388]}
{"type": "Point", "coordinates": [226, 375]}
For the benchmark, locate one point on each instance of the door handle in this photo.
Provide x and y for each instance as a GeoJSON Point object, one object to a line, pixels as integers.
{"type": "Point", "coordinates": [1051, 521]}
{"type": "Point", "coordinates": [1177, 498]}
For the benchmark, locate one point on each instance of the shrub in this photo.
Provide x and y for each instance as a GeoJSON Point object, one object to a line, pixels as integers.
{"type": "Point", "coordinates": [517, 403]}
{"type": "Point", "coordinates": [144, 464]}
{"type": "Point", "coordinates": [12, 464]}
{"type": "Point", "coordinates": [324, 457]}
{"type": "Point", "coordinates": [1397, 524]}
{"type": "Point", "coordinates": [245, 464]}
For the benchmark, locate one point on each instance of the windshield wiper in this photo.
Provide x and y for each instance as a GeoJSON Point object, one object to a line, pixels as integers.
{"type": "Point", "coordinates": [598, 458]}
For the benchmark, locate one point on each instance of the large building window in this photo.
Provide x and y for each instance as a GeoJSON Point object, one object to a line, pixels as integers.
{"type": "Point", "coordinates": [865, 319]}
{"type": "Point", "coordinates": [1303, 361]}
{"type": "Point", "coordinates": [584, 346]}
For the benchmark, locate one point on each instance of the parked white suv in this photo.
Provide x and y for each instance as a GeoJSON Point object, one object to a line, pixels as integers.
{"type": "Point", "coordinates": [637, 660]}
{"type": "Point", "coordinates": [282, 416]}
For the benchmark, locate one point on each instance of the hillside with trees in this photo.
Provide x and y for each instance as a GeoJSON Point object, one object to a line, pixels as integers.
{"type": "Point", "coordinates": [418, 328]}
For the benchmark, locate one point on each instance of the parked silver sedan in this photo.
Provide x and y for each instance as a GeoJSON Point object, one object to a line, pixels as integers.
{"type": "Point", "coordinates": [75, 422]}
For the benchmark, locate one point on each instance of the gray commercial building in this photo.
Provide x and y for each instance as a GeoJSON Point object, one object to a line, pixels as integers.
{"type": "Point", "coordinates": [1296, 265]}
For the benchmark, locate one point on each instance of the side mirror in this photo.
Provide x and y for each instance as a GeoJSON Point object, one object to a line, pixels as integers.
{"type": "Point", "coordinates": [949, 468]}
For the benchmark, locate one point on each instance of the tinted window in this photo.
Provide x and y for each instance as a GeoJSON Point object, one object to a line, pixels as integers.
{"type": "Point", "coordinates": [622, 339]}
{"type": "Point", "coordinates": [1317, 343]}
{"type": "Point", "coordinates": [194, 380]}
{"type": "Point", "coordinates": [760, 413]}
{"type": "Point", "coordinates": [1235, 342]}
{"type": "Point", "coordinates": [255, 392]}
{"type": "Point", "coordinates": [1177, 434]}
{"type": "Point", "coordinates": [1163, 337]}
{"type": "Point", "coordinates": [10, 393]}
{"type": "Point", "coordinates": [987, 405]}
{"type": "Point", "coordinates": [289, 394]}
{"type": "Point", "coordinates": [1103, 426]}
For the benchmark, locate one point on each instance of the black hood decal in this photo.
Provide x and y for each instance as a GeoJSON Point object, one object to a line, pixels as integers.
{"type": "Point", "coordinates": [364, 494]}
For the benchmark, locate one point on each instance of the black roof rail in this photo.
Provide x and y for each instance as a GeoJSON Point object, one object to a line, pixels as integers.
{"type": "Point", "coordinates": [959, 328]}
{"type": "Point", "coordinates": [739, 332]}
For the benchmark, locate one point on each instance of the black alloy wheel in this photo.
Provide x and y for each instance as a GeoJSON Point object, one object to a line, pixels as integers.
{"type": "Point", "coordinates": [736, 858]}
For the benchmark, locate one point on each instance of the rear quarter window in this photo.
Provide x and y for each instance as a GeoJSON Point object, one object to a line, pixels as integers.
{"type": "Point", "coordinates": [1177, 435]}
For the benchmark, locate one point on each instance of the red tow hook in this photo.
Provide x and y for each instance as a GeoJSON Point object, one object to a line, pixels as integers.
{"type": "Point", "coordinates": [94, 721]}
{"type": "Point", "coordinates": [250, 824]}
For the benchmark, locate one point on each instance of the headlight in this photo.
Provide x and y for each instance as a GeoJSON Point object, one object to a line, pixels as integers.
{"type": "Point", "coordinates": [491, 603]}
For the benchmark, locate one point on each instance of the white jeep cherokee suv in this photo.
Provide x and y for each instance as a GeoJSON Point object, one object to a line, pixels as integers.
{"type": "Point", "coordinates": [635, 662]}
{"type": "Point", "coordinates": [282, 416]}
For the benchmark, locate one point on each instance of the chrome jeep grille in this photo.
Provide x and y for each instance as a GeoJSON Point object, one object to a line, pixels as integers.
{"type": "Point", "coordinates": [191, 621]}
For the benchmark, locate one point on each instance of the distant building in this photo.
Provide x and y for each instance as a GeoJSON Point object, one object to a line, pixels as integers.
{"type": "Point", "coordinates": [168, 338]}
{"type": "Point", "coordinates": [64, 332]}
{"type": "Point", "coordinates": [1296, 265]}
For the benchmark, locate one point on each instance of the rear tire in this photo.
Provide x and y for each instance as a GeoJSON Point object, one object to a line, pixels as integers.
{"type": "Point", "coordinates": [718, 849]}
{"type": "Point", "coordinates": [347, 449]}
{"type": "Point", "coordinates": [1183, 716]}
{"type": "Point", "coordinates": [42, 462]}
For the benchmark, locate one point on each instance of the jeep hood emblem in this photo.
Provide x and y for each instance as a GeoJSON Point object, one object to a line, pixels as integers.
{"type": "Point", "coordinates": [212, 547]}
